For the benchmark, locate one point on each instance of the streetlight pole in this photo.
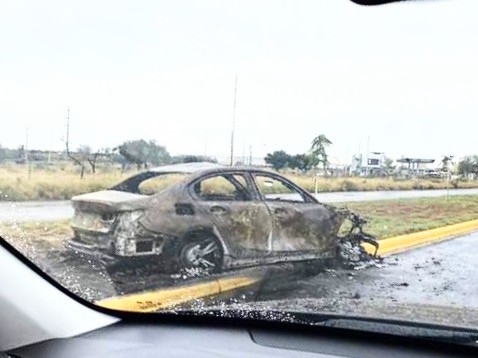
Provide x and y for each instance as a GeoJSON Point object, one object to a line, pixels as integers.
{"type": "Point", "coordinates": [233, 124]}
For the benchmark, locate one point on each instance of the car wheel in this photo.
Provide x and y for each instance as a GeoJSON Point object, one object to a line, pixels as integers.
{"type": "Point", "coordinates": [204, 254]}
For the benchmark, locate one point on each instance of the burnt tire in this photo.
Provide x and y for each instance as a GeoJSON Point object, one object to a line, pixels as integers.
{"type": "Point", "coordinates": [202, 253]}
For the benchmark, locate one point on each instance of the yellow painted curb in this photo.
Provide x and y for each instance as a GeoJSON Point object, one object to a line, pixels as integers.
{"type": "Point", "coordinates": [404, 242]}
{"type": "Point", "coordinates": [152, 301]}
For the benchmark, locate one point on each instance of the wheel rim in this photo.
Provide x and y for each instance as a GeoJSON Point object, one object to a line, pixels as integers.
{"type": "Point", "coordinates": [202, 254]}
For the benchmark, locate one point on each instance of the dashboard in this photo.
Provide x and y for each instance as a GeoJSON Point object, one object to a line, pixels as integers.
{"type": "Point", "coordinates": [176, 340]}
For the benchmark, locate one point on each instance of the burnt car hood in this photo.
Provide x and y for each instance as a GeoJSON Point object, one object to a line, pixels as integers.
{"type": "Point", "coordinates": [110, 200]}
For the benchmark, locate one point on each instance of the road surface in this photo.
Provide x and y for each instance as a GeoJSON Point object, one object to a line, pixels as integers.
{"type": "Point", "coordinates": [58, 210]}
{"type": "Point", "coordinates": [436, 283]}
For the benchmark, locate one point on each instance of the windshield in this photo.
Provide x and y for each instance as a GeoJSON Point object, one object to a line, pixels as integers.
{"type": "Point", "coordinates": [273, 156]}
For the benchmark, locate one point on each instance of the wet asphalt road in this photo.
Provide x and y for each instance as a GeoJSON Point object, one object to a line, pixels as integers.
{"type": "Point", "coordinates": [436, 283]}
{"type": "Point", "coordinates": [440, 274]}
{"type": "Point", "coordinates": [58, 210]}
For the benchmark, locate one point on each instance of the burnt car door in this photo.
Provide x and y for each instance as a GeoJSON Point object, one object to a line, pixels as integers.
{"type": "Point", "coordinates": [300, 223]}
{"type": "Point", "coordinates": [243, 221]}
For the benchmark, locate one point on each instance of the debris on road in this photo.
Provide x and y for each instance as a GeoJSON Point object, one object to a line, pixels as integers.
{"type": "Point", "coordinates": [351, 252]}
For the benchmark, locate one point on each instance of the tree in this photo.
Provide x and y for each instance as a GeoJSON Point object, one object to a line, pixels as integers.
{"type": "Point", "coordinates": [446, 161]}
{"type": "Point", "coordinates": [87, 155]}
{"type": "Point", "coordinates": [7, 154]}
{"type": "Point", "coordinates": [468, 165]}
{"type": "Point", "coordinates": [93, 158]}
{"type": "Point", "coordinates": [388, 165]}
{"type": "Point", "coordinates": [300, 161]}
{"type": "Point", "coordinates": [143, 153]}
{"type": "Point", "coordinates": [192, 159]}
{"type": "Point", "coordinates": [318, 152]}
{"type": "Point", "coordinates": [20, 159]}
{"type": "Point", "coordinates": [278, 159]}
{"type": "Point", "coordinates": [128, 155]}
{"type": "Point", "coordinates": [78, 160]}
{"type": "Point", "coordinates": [3, 154]}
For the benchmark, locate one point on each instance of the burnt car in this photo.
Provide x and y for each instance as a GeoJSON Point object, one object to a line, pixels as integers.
{"type": "Point", "coordinates": [210, 217]}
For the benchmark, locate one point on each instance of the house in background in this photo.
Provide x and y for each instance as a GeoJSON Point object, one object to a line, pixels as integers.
{"type": "Point", "coordinates": [374, 166]}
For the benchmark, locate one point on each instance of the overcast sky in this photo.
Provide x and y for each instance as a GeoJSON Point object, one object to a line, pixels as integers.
{"type": "Point", "coordinates": [405, 75]}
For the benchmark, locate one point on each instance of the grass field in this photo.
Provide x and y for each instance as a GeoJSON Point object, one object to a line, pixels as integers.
{"type": "Point", "coordinates": [396, 217]}
{"type": "Point", "coordinates": [17, 184]}
{"type": "Point", "coordinates": [387, 218]}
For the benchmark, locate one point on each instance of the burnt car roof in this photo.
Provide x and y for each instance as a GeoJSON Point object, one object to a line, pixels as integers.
{"type": "Point", "coordinates": [200, 168]}
{"type": "Point", "coordinates": [188, 168]}
{"type": "Point", "coordinates": [192, 170]}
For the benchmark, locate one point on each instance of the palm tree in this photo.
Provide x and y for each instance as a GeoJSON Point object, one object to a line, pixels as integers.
{"type": "Point", "coordinates": [318, 152]}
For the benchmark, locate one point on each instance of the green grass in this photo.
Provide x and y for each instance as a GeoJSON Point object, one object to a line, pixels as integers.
{"type": "Point", "coordinates": [396, 217]}
{"type": "Point", "coordinates": [387, 218]}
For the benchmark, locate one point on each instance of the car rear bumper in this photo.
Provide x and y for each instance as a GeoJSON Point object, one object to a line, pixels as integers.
{"type": "Point", "coordinates": [97, 252]}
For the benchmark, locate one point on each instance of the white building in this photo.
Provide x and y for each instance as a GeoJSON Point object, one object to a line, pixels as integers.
{"type": "Point", "coordinates": [375, 164]}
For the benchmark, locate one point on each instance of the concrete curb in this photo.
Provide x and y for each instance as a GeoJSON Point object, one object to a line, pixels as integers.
{"type": "Point", "coordinates": [152, 301]}
{"type": "Point", "coordinates": [401, 243]}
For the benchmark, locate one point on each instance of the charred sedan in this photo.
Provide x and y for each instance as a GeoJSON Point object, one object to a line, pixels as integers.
{"type": "Point", "coordinates": [205, 216]}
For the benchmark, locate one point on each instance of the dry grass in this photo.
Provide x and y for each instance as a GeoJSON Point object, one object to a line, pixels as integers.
{"type": "Point", "coordinates": [372, 184]}
{"type": "Point", "coordinates": [62, 183]}
{"type": "Point", "coordinates": [17, 185]}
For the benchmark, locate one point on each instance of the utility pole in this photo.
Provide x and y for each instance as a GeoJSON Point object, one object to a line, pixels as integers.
{"type": "Point", "coordinates": [75, 160]}
{"type": "Point", "coordinates": [250, 154]}
{"type": "Point", "coordinates": [233, 124]}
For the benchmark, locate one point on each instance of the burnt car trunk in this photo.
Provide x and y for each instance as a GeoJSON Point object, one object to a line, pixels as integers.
{"type": "Point", "coordinates": [105, 225]}
{"type": "Point", "coordinates": [107, 201]}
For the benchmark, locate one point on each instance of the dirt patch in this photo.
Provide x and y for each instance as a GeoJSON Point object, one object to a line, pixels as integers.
{"type": "Point", "coordinates": [44, 234]}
